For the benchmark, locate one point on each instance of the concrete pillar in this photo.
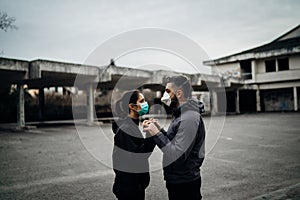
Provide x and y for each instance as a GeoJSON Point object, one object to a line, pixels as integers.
{"type": "Point", "coordinates": [74, 90]}
{"type": "Point", "coordinates": [253, 70]}
{"type": "Point", "coordinates": [237, 101]}
{"type": "Point", "coordinates": [214, 102]}
{"type": "Point", "coordinates": [20, 106]}
{"type": "Point", "coordinates": [258, 106]}
{"type": "Point", "coordinates": [295, 99]}
{"type": "Point", "coordinates": [90, 103]}
{"type": "Point", "coordinates": [158, 94]}
{"type": "Point", "coordinates": [41, 103]}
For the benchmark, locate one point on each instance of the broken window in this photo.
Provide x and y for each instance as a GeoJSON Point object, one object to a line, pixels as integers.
{"type": "Point", "coordinates": [283, 64]}
{"type": "Point", "coordinates": [246, 69]}
{"type": "Point", "coordinates": [270, 65]}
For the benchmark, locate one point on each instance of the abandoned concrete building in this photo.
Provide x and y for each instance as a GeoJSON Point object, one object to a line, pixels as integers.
{"type": "Point", "coordinates": [265, 78]}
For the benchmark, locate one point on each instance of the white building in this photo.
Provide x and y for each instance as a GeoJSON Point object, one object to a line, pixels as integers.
{"type": "Point", "coordinates": [265, 78]}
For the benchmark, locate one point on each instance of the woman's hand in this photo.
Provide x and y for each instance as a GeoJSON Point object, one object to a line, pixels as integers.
{"type": "Point", "coordinates": [151, 128]}
{"type": "Point", "coordinates": [146, 123]}
{"type": "Point", "coordinates": [152, 120]}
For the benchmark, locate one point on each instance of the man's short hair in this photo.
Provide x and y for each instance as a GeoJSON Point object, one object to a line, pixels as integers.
{"type": "Point", "coordinates": [181, 82]}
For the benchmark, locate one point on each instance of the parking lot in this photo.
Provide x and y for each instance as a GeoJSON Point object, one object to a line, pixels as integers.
{"type": "Point", "coordinates": [256, 156]}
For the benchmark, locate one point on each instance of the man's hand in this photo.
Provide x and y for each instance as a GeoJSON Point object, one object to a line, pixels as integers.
{"type": "Point", "coordinates": [151, 120]}
{"type": "Point", "coordinates": [152, 129]}
{"type": "Point", "coordinates": [156, 122]}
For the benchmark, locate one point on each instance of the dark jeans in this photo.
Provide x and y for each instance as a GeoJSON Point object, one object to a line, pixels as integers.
{"type": "Point", "coordinates": [184, 191]}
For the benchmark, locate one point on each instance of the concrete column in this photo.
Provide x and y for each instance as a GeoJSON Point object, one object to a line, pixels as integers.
{"type": "Point", "coordinates": [253, 70]}
{"type": "Point", "coordinates": [158, 94]}
{"type": "Point", "coordinates": [295, 99]}
{"type": "Point", "coordinates": [75, 90]}
{"type": "Point", "coordinates": [20, 106]}
{"type": "Point", "coordinates": [41, 103]}
{"type": "Point", "coordinates": [258, 107]}
{"type": "Point", "coordinates": [237, 101]}
{"type": "Point", "coordinates": [214, 102]}
{"type": "Point", "coordinates": [90, 103]}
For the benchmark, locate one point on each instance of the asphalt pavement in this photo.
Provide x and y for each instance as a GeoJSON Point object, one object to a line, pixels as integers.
{"type": "Point", "coordinates": [249, 156]}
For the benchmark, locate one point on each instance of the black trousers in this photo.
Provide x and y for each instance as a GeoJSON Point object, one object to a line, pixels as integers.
{"type": "Point", "coordinates": [129, 192]}
{"type": "Point", "coordinates": [139, 195]}
{"type": "Point", "coordinates": [184, 191]}
{"type": "Point", "coordinates": [130, 186]}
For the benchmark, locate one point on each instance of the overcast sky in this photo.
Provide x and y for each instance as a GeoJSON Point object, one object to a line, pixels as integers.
{"type": "Point", "coordinates": [70, 30]}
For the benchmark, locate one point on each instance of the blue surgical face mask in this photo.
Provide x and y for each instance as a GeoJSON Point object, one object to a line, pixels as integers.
{"type": "Point", "coordinates": [144, 108]}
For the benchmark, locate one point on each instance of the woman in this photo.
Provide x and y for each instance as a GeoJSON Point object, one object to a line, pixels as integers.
{"type": "Point", "coordinates": [131, 149]}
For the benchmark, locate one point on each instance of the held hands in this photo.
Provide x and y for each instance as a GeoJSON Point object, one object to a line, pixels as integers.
{"type": "Point", "coordinates": [151, 126]}
{"type": "Point", "coordinates": [151, 120]}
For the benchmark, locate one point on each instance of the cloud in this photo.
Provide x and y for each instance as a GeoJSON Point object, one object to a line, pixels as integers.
{"type": "Point", "coordinates": [70, 30]}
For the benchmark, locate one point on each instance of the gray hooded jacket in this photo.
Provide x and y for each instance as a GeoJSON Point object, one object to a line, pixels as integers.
{"type": "Point", "coordinates": [183, 144]}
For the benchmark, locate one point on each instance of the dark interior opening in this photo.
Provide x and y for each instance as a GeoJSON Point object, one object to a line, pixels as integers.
{"type": "Point", "coordinates": [246, 69]}
{"type": "Point", "coordinates": [247, 100]}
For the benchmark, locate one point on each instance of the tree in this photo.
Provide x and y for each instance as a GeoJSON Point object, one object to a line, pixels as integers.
{"type": "Point", "coordinates": [6, 22]}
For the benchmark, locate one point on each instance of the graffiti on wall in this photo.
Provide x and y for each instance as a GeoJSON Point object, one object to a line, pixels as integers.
{"type": "Point", "coordinates": [278, 100]}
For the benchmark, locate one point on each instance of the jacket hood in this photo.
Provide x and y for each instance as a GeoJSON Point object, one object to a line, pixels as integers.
{"type": "Point", "coordinates": [191, 104]}
{"type": "Point", "coordinates": [195, 105]}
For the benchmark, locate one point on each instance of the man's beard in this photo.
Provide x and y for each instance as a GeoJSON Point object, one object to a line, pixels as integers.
{"type": "Point", "coordinates": [174, 103]}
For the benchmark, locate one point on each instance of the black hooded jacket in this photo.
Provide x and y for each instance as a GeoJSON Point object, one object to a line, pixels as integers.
{"type": "Point", "coordinates": [183, 145]}
{"type": "Point", "coordinates": [130, 156]}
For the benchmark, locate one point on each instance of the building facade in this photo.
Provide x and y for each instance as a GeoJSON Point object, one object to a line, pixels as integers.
{"type": "Point", "coordinates": [265, 78]}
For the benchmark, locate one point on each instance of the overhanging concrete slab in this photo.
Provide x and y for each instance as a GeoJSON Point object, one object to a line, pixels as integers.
{"type": "Point", "coordinates": [12, 71]}
{"type": "Point", "coordinates": [44, 73]}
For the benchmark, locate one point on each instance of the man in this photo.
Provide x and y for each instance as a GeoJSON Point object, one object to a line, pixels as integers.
{"type": "Point", "coordinates": [183, 144]}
